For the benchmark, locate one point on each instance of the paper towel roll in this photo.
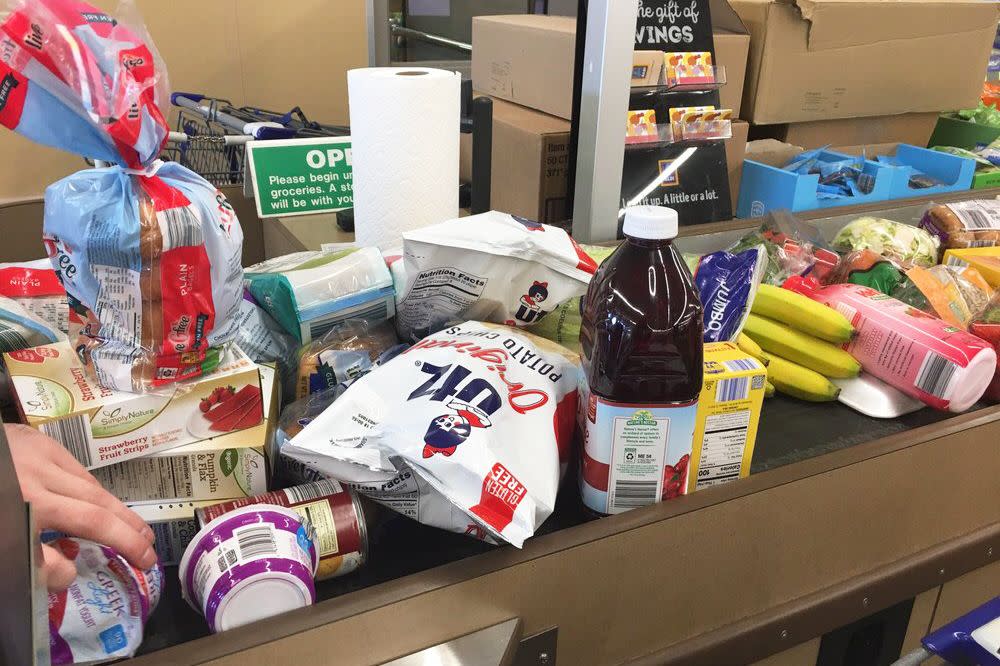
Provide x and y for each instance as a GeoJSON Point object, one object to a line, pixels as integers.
{"type": "Point", "coordinates": [404, 145]}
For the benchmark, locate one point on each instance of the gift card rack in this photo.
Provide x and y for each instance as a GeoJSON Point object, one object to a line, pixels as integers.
{"type": "Point", "coordinates": [681, 161]}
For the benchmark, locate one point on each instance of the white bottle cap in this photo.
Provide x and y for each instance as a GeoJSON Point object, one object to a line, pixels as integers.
{"type": "Point", "coordinates": [650, 222]}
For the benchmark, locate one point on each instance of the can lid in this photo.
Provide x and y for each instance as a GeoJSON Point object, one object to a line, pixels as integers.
{"type": "Point", "coordinates": [650, 222]}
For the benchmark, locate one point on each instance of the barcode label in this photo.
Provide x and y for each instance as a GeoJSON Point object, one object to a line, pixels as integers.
{"type": "Point", "coordinates": [736, 388]}
{"type": "Point", "coordinates": [935, 374]}
{"type": "Point", "coordinates": [180, 227]}
{"type": "Point", "coordinates": [312, 491]}
{"type": "Point", "coordinates": [977, 215]}
{"type": "Point", "coordinates": [981, 243]}
{"type": "Point", "coordinates": [846, 310]}
{"type": "Point", "coordinates": [226, 560]}
{"type": "Point", "coordinates": [956, 261]}
{"type": "Point", "coordinates": [632, 494]}
{"type": "Point", "coordinates": [74, 434]}
{"type": "Point", "coordinates": [11, 339]}
{"type": "Point", "coordinates": [256, 540]}
{"type": "Point", "coordinates": [741, 364]}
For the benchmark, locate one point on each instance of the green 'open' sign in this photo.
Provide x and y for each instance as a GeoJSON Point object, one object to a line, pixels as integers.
{"type": "Point", "coordinates": [301, 176]}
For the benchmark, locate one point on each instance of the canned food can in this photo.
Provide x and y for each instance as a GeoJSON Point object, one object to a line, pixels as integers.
{"type": "Point", "coordinates": [249, 564]}
{"type": "Point", "coordinates": [335, 513]}
{"type": "Point", "coordinates": [101, 616]}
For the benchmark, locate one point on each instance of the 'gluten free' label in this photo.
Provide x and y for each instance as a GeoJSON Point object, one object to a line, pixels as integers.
{"type": "Point", "coordinates": [301, 176]}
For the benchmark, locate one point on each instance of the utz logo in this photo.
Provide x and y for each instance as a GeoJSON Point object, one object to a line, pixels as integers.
{"type": "Point", "coordinates": [530, 225]}
{"type": "Point", "coordinates": [529, 308]}
{"type": "Point", "coordinates": [446, 432]}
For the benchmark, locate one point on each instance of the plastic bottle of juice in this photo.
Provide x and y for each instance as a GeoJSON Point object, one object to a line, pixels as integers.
{"type": "Point", "coordinates": [641, 340]}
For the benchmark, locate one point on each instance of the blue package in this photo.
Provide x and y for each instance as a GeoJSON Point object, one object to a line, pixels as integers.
{"type": "Point", "coordinates": [727, 284]}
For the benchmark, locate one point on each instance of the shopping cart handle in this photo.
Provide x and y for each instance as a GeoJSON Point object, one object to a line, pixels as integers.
{"type": "Point", "coordinates": [267, 131]}
{"type": "Point", "coordinates": [194, 97]}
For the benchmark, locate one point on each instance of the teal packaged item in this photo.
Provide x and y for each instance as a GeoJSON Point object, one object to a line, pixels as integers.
{"type": "Point", "coordinates": [310, 292]}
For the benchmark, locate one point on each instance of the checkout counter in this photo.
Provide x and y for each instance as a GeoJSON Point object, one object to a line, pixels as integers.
{"type": "Point", "coordinates": [892, 524]}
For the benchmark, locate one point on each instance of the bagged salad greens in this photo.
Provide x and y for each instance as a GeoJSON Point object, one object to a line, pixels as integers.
{"type": "Point", "coordinates": [894, 240]}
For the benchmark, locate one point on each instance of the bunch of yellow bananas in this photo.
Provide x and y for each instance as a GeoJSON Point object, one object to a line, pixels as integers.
{"type": "Point", "coordinates": [799, 341]}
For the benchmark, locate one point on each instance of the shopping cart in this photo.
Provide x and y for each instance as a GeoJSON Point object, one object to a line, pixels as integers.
{"type": "Point", "coordinates": [973, 639]}
{"type": "Point", "coordinates": [211, 134]}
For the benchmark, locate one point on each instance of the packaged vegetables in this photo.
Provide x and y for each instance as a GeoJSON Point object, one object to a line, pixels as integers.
{"type": "Point", "coordinates": [902, 242]}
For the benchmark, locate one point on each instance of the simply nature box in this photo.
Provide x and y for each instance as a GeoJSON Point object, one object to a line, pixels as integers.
{"type": "Point", "coordinates": [237, 464]}
{"type": "Point", "coordinates": [100, 426]}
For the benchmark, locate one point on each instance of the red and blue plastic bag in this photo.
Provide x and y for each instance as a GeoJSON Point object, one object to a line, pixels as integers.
{"type": "Point", "coordinates": [149, 252]}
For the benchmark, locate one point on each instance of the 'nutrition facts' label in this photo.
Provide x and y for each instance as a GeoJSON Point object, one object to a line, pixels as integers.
{"type": "Point", "coordinates": [722, 447]}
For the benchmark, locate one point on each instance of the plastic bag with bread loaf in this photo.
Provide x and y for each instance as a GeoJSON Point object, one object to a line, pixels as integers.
{"type": "Point", "coordinates": [149, 252]}
{"type": "Point", "coordinates": [962, 224]}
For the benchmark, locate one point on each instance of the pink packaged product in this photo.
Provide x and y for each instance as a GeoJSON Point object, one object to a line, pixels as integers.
{"type": "Point", "coordinates": [919, 354]}
{"type": "Point", "coordinates": [101, 616]}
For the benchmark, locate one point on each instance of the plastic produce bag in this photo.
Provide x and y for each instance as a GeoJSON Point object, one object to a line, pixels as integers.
{"type": "Point", "coordinates": [490, 267]}
{"type": "Point", "coordinates": [310, 292]}
{"type": "Point", "coordinates": [149, 252]}
{"type": "Point", "coordinates": [345, 352]}
{"type": "Point", "coordinates": [869, 269]}
{"type": "Point", "coordinates": [793, 246]}
{"type": "Point", "coordinates": [956, 295]}
{"type": "Point", "coordinates": [987, 326]}
{"type": "Point", "coordinates": [895, 240]}
{"type": "Point", "coordinates": [474, 423]}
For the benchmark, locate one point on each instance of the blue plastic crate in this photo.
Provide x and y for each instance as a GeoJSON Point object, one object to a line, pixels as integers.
{"type": "Point", "coordinates": [955, 172]}
{"type": "Point", "coordinates": [765, 188]}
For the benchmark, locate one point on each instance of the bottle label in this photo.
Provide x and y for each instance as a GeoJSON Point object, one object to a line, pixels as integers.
{"type": "Point", "coordinates": [634, 454]}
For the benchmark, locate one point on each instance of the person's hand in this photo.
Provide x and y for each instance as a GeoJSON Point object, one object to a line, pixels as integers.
{"type": "Point", "coordinates": [67, 498]}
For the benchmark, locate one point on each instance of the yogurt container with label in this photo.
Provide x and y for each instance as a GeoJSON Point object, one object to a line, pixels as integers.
{"type": "Point", "coordinates": [249, 564]}
{"type": "Point", "coordinates": [101, 616]}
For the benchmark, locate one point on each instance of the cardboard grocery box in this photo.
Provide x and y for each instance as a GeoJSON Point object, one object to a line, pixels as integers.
{"type": "Point", "coordinates": [173, 525]}
{"type": "Point", "coordinates": [728, 413]}
{"type": "Point", "coordinates": [825, 59]}
{"type": "Point", "coordinates": [530, 163]}
{"type": "Point", "coordinates": [912, 128]}
{"type": "Point", "coordinates": [100, 426]}
{"type": "Point", "coordinates": [732, 50]}
{"type": "Point", "coordinates": [736, 148]}
{"type": "Point", "coordinates": [526, 59]}
{"type": "Point", "coordinates": [238, 464]}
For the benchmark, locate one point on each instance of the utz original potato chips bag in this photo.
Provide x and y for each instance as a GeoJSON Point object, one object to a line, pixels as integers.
{"type": "Point", "coordinates": [468, 430]}
{"type": "Point", "coordinates": [149, 252]}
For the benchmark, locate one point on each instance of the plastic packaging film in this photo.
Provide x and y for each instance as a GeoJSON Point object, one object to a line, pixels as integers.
{"type": "Point", "coordinates": [404, 133]}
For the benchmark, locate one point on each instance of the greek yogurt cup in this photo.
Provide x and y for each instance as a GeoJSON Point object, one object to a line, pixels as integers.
{"type": "Point", "coordinates": [249, 564]}
{"type": "Point", "coordinates": [101, 616]}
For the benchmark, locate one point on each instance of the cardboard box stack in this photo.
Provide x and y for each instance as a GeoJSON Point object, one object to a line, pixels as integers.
{"type": "Point", "coordinates": [532, 89]}
{"type": "Point", "coordinates": [195, 443]}
{"type": "Point", "coordinates": [824, 72]}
